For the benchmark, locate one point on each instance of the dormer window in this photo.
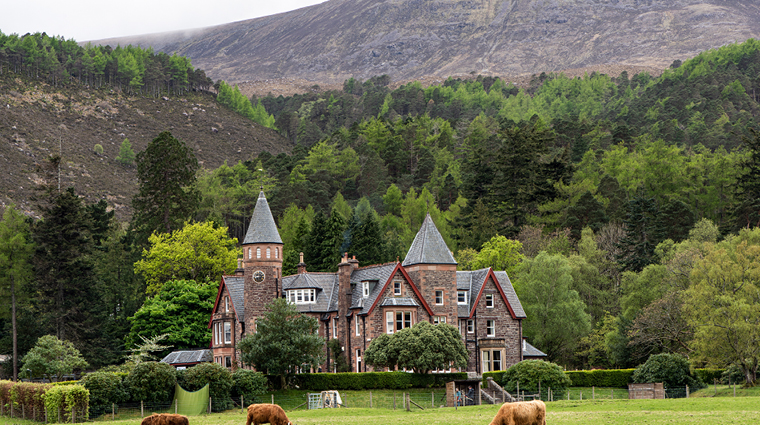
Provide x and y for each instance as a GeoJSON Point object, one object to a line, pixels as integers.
{"type": "Point", "coordinates": [489, 300]}
{"type": "Point", "coordinates": [226, 305]}
{"type": "Point", "coordinates": [462, 297]}
{"type": "Point", "coordinates": [365, 289]}
{"type": "Point", "coordinates": [397, 287]}
{"type": "Point", "coordinates": [302, 296]}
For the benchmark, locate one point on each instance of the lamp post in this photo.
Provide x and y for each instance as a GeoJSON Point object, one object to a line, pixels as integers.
{"type": "Point", "coordinates": [29, 374]}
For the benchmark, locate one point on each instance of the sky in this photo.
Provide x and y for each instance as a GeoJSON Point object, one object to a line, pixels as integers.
{"type": "Point", "coordinates": [85, 20]}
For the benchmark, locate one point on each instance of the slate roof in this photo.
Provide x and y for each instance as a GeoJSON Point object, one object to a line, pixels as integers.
{"type": "Point", "coordinates": [471, 281]}
{"type": "Point", "coordinates": [399, 301]}
{"type": "Point", "coordinates": [325, 284]}
{"type": "Point", "coordinates": [235, 287]}
{"type": "Point", "coordinates": [380, 273]}
{"type": "Point", "coordinates": [186, 357]}
{"type": "Point", "coordinates": [428, 246]}
{"type": "Point", "coordinates": [509, 291]}
{"type": "Point", "coordinates": [262, 228]}
{"type": "Point", "coordinates": [531, 351]}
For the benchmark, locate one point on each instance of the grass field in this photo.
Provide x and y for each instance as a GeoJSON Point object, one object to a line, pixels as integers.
{"type": "Point", "coordinates": [694, 410]}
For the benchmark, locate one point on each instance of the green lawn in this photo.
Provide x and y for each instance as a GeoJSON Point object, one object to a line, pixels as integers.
{"type": "Point", "coordinates": [694, 410]}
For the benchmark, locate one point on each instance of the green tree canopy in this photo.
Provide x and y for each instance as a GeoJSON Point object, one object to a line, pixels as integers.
{"type": "Point", "coordinates": [285, 340]}
{"type": "Point", "coordinates": [423, 347]}
{"type": "Point", "coordinates": [197, 251]}
{"type": "Point", "coordinates": [181, 309]}
{"type": "Point", "coordinates": [52, 358]}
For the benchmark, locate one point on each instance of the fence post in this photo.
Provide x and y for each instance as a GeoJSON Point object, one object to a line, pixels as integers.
{"type": "Point", "coordinates": [370, 399]}
{"type": "Point", "coordinates": [539, 388]}
{"type": "Point", "coordinates": [176, 402]}
{"type": "Point", "coordinates": [209, 405]}
{"type": "Point", "coordinates": [734, 389]}
{"type": "Point", "coordinates": [407, 400]}
{"type": "Point", "coordinates": [242, 406]}
{"type": "Point", "coordinates": [568, 394]}
{"type": "Point", "coordinates": [593, 392]}
{"type": "Point", "coordinates": [581, 396]}
{"type": "Point", "coordinates": [518, 389]}
{"type": "Point", "coordinates": [612, 394]}
{"type": "Point", "coordinates": [715, 383]}
{"type": "Point", "coordinates": [549, 394]}
{"type": "Point", "coordinates": [394, 401]}
{"type": "Point", "coordinates": [272, 398]}
{"type": "Point", "coordinates": [432, 398]}
{"type": "Point", "coordinates": [687, 391]}
{"type": "Point", "coordinates": [142, 409]}
{"type": "Point", "coordinates": [113, 411]}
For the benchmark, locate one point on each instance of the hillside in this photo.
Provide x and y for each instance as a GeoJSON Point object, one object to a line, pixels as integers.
{"type": "Point", "coordinates": [38, 120]}
{"type": "Point", "coordinates": [338, 39]}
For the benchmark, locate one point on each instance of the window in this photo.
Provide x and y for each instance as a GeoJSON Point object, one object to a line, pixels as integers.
{"type": "Point", "coordinates": [389, 322]}
{"type": "Point", "coordinates": [403, 320]}
{"type": "Point", "coordinates": [461, 297]}
{"type": "Point", "coordinates": [438, 297]}
{"type": "Point", "coordinates": [365, 289]}
{"type": "Point", "coordinates": [277, 252]}
{"type": "Point", "coordinates": [302, 296]}
{"type": "Point", "coordinates": [356, 326]}
{"type": "Point", "coordinates": [492, 360]}
{"type": "Point", "coordinates": [227, 362]}
{"type": "Point", "coordinates": [439, 319]}
{"type": "Point", "coordinates": [227, 333]}
{"type": "Point", "coordinates": [470, 326]}
{"type": "Point", "coordinates": [269, 253]}
{"type": "Point", "coordinates": [249, 253]}
{"type": "Point", "coordinates": [358, 360]}
{"type": "Point", "coordinates": [489, 300]}
{"type": "Point", "coordinates": [216, 333]}
{"type": "Point", "coordinates": [397, 287]}
{"type": "Point", "coordinates": [226, 305]}
{"type": "Point", "coordinates": [335, 327]}
{"type": "Point", "coordinates": [258, 253]}
{"type": "Point", "coordinates": [490, 328]}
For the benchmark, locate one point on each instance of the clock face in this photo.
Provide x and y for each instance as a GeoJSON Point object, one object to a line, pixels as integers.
{"type": "Point", "coordinates": [258, 276]}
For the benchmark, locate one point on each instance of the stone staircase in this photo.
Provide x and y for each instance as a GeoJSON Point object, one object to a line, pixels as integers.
{"type": "Point", "coordinates": [494, 393]}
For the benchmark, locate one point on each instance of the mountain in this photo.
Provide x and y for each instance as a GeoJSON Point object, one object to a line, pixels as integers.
{"type": "Point", "coordinates": [407, 39]}
{"type": "Point", "coordinates": [38, 120]}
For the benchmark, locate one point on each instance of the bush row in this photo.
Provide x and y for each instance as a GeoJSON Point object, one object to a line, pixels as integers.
{"type": "Point", "coordinates": [617, 378]}
{"type": "Point", "coordinates": [708, 376]}
{"type": "Point", "coordinates": [44, 402]}
{"type": "Point", "coordinates": [369, 380]}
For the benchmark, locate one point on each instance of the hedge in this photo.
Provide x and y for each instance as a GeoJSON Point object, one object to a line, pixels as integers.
{"type": "Point", "coordinates": [26, 399]}
{"type": "Point", "coordinates": [709, 375]}
{"type": "Point", "coordinates": [617, 378]}
{"type": "Point", "coordinates": [64, 401]}
{"type": "Point", "coordinates": [368, 380]}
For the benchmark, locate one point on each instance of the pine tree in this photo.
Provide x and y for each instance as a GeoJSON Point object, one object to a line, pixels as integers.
{"type": "Point", "coordinates": [126, 154]}
{"type": "Point", "coordinates": [642, 234]}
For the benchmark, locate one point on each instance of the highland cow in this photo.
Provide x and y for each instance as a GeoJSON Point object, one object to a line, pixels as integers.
{"type": "Point", "coordinates": [266, 414]}
{"type": "Point", "coordinates": [165, 419]}
{"type": "Point", "coordinates": [521, 413]}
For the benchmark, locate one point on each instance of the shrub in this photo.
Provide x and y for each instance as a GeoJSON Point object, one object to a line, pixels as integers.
{"type": "Point", "coordinates": [31, 397]}
{"type": "Point", "coordinates": [248, 384]}
{"type": "Point", "coordinates": [98, 148]}
{"type": "Point", "coordinates": [151, 382]}
{"type": "Point", "coordinates": [219, 381]}
{"type": "Point", "coordinates": [67, 403]}
{"type": "Point", "coordinates": [528, 373]}
{"type": "Point", "coordinates": [671, 369]}
{"type": "Point", "coordinates": [618, 378]}
{"type": "Point", "coordinates": [708, 376]}
{"type": "Point", "coordinates": [105, 388]}
{"type": "Point", "coordinates": [733, 375]}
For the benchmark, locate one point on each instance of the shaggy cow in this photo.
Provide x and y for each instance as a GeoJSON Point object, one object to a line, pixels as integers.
{"type": "Point", "coordinates": [521, 413]}
{"type": "Point", "coordinates": [266, 414]}
{"type": "Point", "coordinates": [165, 419]}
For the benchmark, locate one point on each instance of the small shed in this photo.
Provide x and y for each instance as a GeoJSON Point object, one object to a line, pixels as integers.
{"type": "Point", "coordinates": [532, 353]}
{"type": "Point", "coordinates": [469, 390]}
{"type": "Point", "coordinates": [646, 391]}
{"type": "Point", "coordinates": [184, 359]}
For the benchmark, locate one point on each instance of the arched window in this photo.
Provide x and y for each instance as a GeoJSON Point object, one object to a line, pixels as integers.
{"type": "Point", "coordinates": [276, 252]}
{"type": "Point", "coordinates": [269, 253]}
{"type": "Point", "coordinates": [249, 253]}
{"type": "Point", "coordinates": [258, 253]}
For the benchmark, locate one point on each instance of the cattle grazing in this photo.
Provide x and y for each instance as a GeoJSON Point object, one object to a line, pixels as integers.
{"type": "Point", "coordinates": [165, 419]}
{"type": "Point", "coordinates": [266, 413]}
{"type": "Point", "coordinates": [521, 413]}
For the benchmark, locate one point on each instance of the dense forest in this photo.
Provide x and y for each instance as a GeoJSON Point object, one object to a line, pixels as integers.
{"type": "Point", "coordinates": [633, 200]}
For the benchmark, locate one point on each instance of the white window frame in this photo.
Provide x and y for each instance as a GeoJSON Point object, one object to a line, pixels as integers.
{"type": "Point", "coordinates": [491, 328]}
{"type": "Point", "coordinates": [358, 360]}
{"type": "Point", "coordinates": [249, 253]}
{"type": "Point", "coordinates": [470, 326]}
{"type": "Point", "coordinates": [438, 297]}
{"type": "Point", "coordinates": [462, 295]}
{"type": "Point", "coordinates": [258, 253]}
{"type": "Point", "coordinates": [489, 300]}
{"type": "Point", "coordinates": [486, 356]}
{"type": "Point", "coordinates": [276, 252]}
{"type": "Point", "coordinates": [357, 331]}
{"type": "Point", "coordinates": [365, 289]}
{"type": "Point", "coordinates": [269, 253]}
{"type": "Point", "coordinates": [302, 296]}
{"type": "Point", "coordinates": [437, 320]}
{"type": "Point", "coordinates": [396, 287]}
{"type": "Point", "coordinates": [335, 327]}
{"type": "Point", "coordinates": [390, 322]}
{"type": "Point", "coordinates": [227, 333]}
{"type": "Point", "coordinates": [226, 304]}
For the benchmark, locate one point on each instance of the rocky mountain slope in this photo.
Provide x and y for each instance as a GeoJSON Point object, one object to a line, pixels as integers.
{"type": "Point", "coordinates": [38, 120]}
{"type": "Point", "coordinates": [406, 39]}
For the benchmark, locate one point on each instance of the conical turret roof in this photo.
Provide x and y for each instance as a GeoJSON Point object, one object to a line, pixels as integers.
{"type": "Point", "coordinates": [428, 246]}
{"type": "Point", "coordinates": [262, 228]}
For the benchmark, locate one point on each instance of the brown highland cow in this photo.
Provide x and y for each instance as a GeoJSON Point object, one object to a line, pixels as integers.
{"type": "Point", "coordinates": [266, 413]}
{"type": "Point", "coordinates": [521, 413]}
{"type": "Point", "coordinates": [165, 419]}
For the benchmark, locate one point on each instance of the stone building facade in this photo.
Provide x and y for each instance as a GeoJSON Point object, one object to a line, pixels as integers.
{"type": "Point", "coordinates": [356, 304]}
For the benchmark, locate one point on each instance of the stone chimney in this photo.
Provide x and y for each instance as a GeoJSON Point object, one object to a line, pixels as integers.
{"type": "Point", "coordinates": [354, 263]}
{"type": "Point", "coordinates": [301, 265]}
{"type": "Point", "coordinates": [239, 271]}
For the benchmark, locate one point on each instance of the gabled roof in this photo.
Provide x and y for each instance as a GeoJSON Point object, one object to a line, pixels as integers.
{"type": "Point", "coordinates": [380, 273]}
{"type": "Point", "coordinates": [262, 228]}
{"type": "Point", "coordinates": [234, 286]}
{"type": "Point", "coordinates": [381, 287]}
{"type": "Point", "coordinates": [326, 285]}
{"type": "Point", "coordinates": [531, 351]}
{"type": "Point", "coordinates": [428, 246]}
{"type": "Point", "coordinates": [503, 284]}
